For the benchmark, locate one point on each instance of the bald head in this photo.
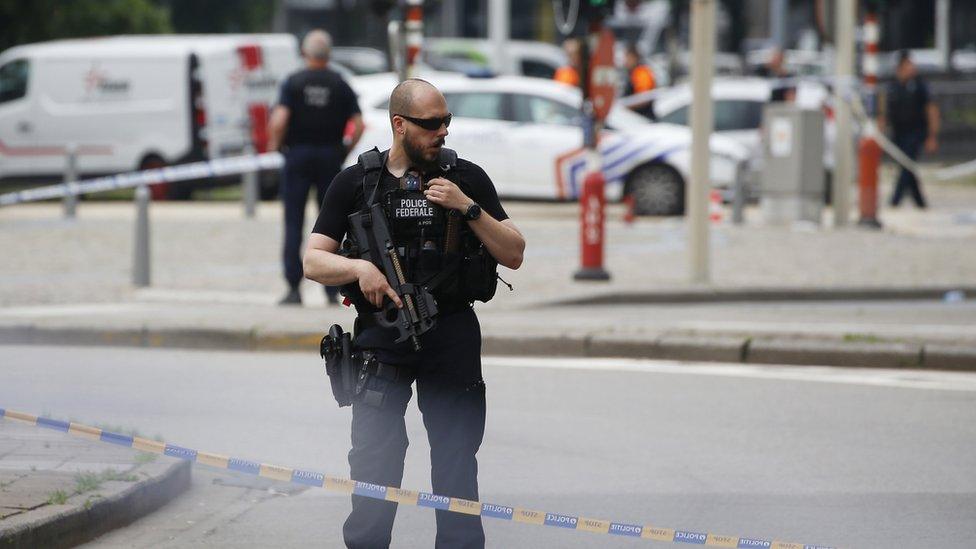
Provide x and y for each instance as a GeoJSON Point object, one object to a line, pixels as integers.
{"type": "Point", "coordinates": [317, 45]}
{"type": "Point", "coordinates": [409, 94]}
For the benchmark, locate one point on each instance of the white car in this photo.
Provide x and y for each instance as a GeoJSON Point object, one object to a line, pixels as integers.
{"type": "Point", "coordinates": [738, 105]}
{"type": "Point", "coordinates": [525, 133]}
{"type": "Point", "coordinates": [523, 57]}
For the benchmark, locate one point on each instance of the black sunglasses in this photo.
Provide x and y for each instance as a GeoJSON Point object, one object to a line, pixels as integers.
{"type": "Point", "coordinates": [429, 124]}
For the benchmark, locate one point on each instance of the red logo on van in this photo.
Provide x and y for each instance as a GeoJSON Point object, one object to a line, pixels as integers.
{"type": "Point", "coordinates": [96, 79]}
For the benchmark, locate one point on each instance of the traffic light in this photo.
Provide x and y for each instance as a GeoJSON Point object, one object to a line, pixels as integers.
{"type": "Point", "coordinates": [598, 9]}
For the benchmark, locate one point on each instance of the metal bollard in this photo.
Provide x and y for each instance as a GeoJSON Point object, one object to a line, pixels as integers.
{"type": "Point", "coordinates": [140, 256]}
{"type": "Point", "coordinates": [738, 200]}
{"type": "Point", "coordinates": [70, 200]}
{"type": "Point", "coordinates": [249, 182]}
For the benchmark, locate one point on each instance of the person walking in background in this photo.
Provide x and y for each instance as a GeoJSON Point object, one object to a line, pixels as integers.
{"type": "Point", "coordinates": [570, 74]}
{"type": "Point", "coordinates": [914, 121]}
{"type": "Point", "coordinates": [307, 125]}
{"type": "Point", "coordinates": [782, 89]}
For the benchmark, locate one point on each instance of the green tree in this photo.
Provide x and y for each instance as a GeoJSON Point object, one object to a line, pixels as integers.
{"type": "Point", "coordinates": [39, 20]}
{"type": "Point", "coordinates": [216, 16]}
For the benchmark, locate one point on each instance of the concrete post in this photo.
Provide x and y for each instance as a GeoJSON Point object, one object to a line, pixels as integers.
{"type": "Point", "coordinates": [702, 48]}
{"type": "Point", "coordinates": [140, 253]}
{"type": "Point", "coordinates": [398, 48]}
{"type": "Point", "coordinates": [70, 200]}
{"type": "Point", "coordinates": [498, 32]}
{"type": "Point", "coordinates": [738, 201]}
{"type": "Point", "coordinates": [844, 144]}
{"type": "Point", "coordinates": [942, 39]}
{"type": "Point", "coordinates": [249, 182]}
{"type": "Point", "coordinates": [777, 22]}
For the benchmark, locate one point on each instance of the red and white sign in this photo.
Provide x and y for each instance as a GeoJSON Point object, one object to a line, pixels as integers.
{"type": "Point", "coordinates": [603, 74]}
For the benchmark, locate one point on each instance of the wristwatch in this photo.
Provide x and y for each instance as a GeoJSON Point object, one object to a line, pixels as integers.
{"type": "Point", "coordinates": [473, 212]}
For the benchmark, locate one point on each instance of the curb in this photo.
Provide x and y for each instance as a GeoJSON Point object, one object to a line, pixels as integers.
{"type": "Point", "coordinates": [759, 294]}
{"type": "Point", "coordinates": [78, 525]}
{"type": "Point", "coordinates": [701, 347]}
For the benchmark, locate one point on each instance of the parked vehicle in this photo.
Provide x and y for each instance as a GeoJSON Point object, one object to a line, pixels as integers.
{"type": "Point", "coordinates": [524, 133]}
{"type": "Point", "coordinates": [135, 102]}
{"type": "Point", "coordinates": [524, 58]}
{"type": "Point", "coordinates": [360, 60]}
{"type": "Point", "coordinates": [738, 105]}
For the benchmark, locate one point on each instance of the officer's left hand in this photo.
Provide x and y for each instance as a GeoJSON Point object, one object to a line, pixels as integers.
{"type": "Point", "coordinates": [442, 192]}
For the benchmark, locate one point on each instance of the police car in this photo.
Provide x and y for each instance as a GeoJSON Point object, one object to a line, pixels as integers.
{"type": "Point", "coordinates": [525, 133]}
{"type": "Point", "coordinates": [738, 104]}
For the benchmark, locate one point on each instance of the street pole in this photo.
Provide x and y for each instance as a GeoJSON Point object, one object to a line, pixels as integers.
{"type": "Point", "coordinates": [414, 33]}
{"type": "Point", "coordinates": [498, 33]}
{"type": "Point", "coordinates": [70, 200]}
{"type": "Point", "coordinates": [777, 22]}
{"type": "Point", "coordinates": [249, 182]}
{"type": "Point", "coordinates": [140, 244]}
{"type": "Point", "coordinates": [942, 42]}
{"type": "Point", "coordinates": [702, 51]}
{"type": "Point", "coordinates": [843, 88]}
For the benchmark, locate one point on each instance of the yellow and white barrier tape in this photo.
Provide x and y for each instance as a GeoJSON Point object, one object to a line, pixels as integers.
{"type": "Point", "coordinates": [403, 496]}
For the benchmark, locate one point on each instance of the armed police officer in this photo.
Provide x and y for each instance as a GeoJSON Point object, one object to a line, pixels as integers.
{"type": "Point", "coordinates": [435, 221]}
{"type": "Point", "coordinates": [308, 125]}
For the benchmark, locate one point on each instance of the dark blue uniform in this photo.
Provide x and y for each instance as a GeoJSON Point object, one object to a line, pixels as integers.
{"type": "Point", "coordinates": [447, 371]}
{"type": "Point", "coordinates": [321, 103]}
{"type": "Point", "coordinates": [906, 107]}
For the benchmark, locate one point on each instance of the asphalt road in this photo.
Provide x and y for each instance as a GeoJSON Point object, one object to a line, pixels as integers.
{"type": "Point", "coordinates": [851, 458]}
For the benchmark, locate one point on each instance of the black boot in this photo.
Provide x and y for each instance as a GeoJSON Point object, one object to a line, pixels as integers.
{"type": "Point", "coordinates": [293, 297]}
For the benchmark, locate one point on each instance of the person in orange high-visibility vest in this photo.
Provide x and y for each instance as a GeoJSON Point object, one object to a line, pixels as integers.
{"type": "Point", "coordinates": [570, 74]}
{"type": "Point", "coordinates": [640, 78]}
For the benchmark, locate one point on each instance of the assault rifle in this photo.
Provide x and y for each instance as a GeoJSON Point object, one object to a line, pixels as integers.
{"type": "Point", "coordinates": [373, 242]}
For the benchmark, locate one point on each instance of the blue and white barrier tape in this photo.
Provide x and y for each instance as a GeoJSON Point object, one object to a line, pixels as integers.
{"type": "Point", "coordinates": [402, 496]}
{"type": "Point", "coordinates": [182, 172]}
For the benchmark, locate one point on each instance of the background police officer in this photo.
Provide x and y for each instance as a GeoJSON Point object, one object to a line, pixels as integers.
{"type": "Point", "coordinates": [447, 369]}
{"type": "Point", "coordinates": [308, 124]}
{"type": "Point", "coordinates": [914, 119]}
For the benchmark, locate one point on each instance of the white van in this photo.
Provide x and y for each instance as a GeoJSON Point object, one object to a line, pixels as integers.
{"type": "Point", "coordinates": [131, 102]}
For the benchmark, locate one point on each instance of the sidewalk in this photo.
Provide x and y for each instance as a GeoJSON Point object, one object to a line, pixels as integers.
{"type": "Point", "coordinates": [216, 278]}
{"type": "Point", "coordinates": [59, 491]}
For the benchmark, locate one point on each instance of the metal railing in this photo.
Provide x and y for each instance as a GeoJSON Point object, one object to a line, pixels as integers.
{"type": "Point", "coordinates": [247, 166]}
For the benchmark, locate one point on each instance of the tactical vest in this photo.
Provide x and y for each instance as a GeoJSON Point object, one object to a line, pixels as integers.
{"type": "Point", "coordinates": [436, 246]}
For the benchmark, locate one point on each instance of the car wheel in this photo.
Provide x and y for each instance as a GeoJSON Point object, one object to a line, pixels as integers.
{"type": "Point", "coordinates": [657, 190]}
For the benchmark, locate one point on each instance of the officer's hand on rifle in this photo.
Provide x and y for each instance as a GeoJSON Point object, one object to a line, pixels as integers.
{"type": "Point", "coordinates": [374, 285]}
{"type": "Point", "coordinates": [444, 193]}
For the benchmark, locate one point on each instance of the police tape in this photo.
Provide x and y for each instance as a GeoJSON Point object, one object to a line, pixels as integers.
{"type": "Point", "coordinates": [402, 496]}
{"type": "Point", "coordinates": [170, 174]}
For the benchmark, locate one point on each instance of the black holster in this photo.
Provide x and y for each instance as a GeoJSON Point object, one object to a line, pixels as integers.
{"type": "Point", "coordinates": [355, 374]}
{"type": "Point", "coordinates": [336, 349]}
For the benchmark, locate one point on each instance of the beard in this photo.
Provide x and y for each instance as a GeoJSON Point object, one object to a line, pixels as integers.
{"type": "Point", "coordinates": [420, 157]}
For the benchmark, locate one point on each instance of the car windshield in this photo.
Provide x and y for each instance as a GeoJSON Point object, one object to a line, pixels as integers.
{"type": "Point", "coordinates": [729, 115]}
{"type": "Point", "coordinates": [13, 80]}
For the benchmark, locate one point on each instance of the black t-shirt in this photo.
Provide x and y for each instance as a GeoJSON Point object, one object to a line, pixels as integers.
{"type": "Point", "coordinates": [345, 196]}
{"type": "Point", "coordinates": [321, 103]}
{"type": "Point", "coordinates": [906, 106]}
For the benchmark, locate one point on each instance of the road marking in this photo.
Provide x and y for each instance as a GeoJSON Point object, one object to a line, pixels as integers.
{"type": "Point", "coordinates": [906, 379]}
